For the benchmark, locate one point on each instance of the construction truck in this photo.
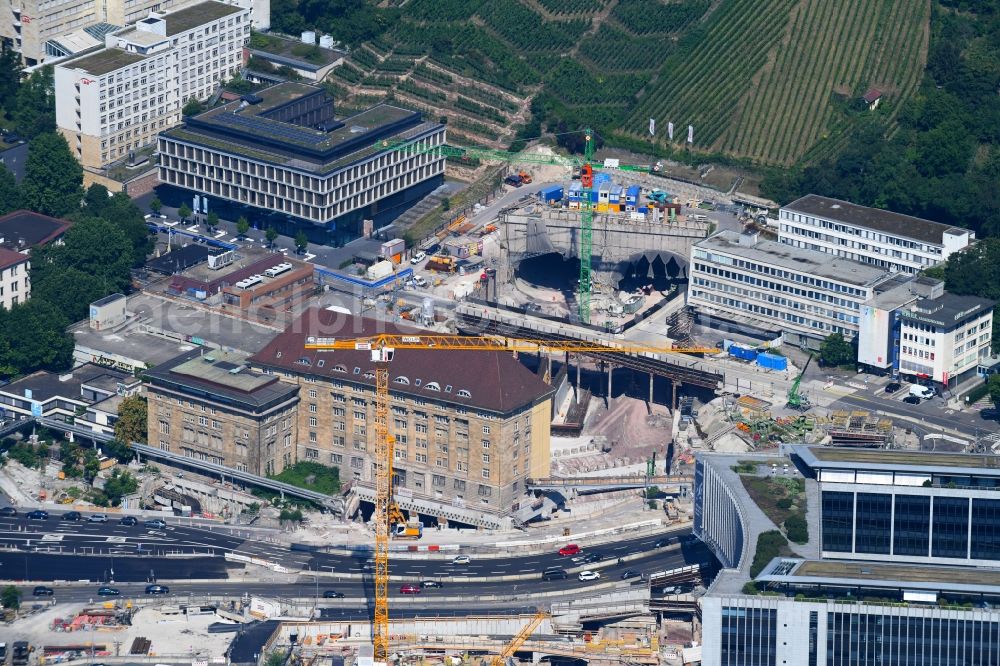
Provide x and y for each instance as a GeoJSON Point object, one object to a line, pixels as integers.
{"type": "Point", "coordinates": [525, 177]}
{"type": "Point", "coordinates": [413, 529]}
{"type": "Point", "coordinates": [795, 399]}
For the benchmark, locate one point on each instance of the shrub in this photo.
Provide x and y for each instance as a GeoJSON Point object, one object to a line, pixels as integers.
{"type": "Point", "coordinates": [784, 503]}
{"type": "Point", "coordinates": [797, 529]}
{"type": "Point", "coordinates": [769, 546]}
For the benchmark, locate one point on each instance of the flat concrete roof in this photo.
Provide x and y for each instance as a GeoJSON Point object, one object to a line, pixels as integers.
{"type": "Point", "coordinates": [194, 324]}
{"type": "Point", "coordinates": [104, 61]}
{"type": "Point", "coordinates": [883, 575]}
{"type": "Point", "coordinates": [885, 221]}
{"type": "Point", "coordinates": [195, 15]}
{"type": "Point", "coordinates": [225, 368]}
{"type": "Point", "coordinates": [809, 262]}
{"type": "Point", "coordinates": [132, 344]}
{"type": "Point", "coordinates": [830, 457]}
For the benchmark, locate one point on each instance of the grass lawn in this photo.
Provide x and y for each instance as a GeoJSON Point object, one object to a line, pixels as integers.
{"type": "Point", "coordinates": [312, 476]}
{"type": "Point", "coordinates": [781, 499]}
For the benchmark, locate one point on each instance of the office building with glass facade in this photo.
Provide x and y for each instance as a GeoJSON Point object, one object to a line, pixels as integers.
{"type": "Point", "coordinates": [907, 506]}
{"type": "Point", "coordinates": [849, 614]}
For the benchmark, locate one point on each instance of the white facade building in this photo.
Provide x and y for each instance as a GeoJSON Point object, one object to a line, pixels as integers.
{"type": "Point", "coordinates": [15, 286]}
{"type": "Point", "coordinates": [882, 238]}
{"type": "Point", "coordinates": [765, 286]}
{"type": "Point", "coordinates": [45, 29]}
{"type": "Point", "coordinates": [118, 98]}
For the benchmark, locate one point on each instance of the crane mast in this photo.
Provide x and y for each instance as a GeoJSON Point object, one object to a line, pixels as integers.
{"type": "Point", "coordinates": [586, 228]}
{"type": "Point", "coordinates": [384, 441]}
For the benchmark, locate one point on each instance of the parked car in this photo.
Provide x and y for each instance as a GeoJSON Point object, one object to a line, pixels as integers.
{"type": "Point", "coordinates": [155, 524]}
{"type": "Point", "coordinates": [892, 387]}
{"type": "Point", "coordinates": [106, 591]}
{"type": "Point", "coordinates": [409, 588]}
{"type": "Point", "coordinates": [42, 591]}
{"type": "Point", "coordinates": [554, 573]}
{"type": "Point", "coordinates": [72, 515]}
{"type": "Point", "coordinates": [417, 258]}
{"type": "Point", "coordinates": [589, 575]}
{"type": "Point", "coordinates": [911, 400]}
{"type": "Point", "coordinates": [8, 511]}
{"type": "Point", "coordinates": [630, 573]}
{"type": "Point", "coordinates": [461, 559]}
{"type": "Point", "coordinates": [425, 584]}
{"type": "Point", "coordinates": [419, 281]}
{"type": "Point", "coordinates": [333, 594]}
{"type": "Point", "coordinates": [38, 514]}
{"type": "Point", "coordinates": [157, 589]}
{"type": "Point", "coordinates": [130, 521]}
{"type": "Point", "coordinates": [97, 518]}
{"type": "Point", "coordinates": [569, 549]}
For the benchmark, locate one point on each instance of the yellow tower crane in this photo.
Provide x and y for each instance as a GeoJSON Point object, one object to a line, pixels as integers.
{"type": "Point", "coordinates": [383, 347]}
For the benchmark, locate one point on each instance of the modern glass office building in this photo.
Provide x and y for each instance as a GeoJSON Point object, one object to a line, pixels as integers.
{"type": "Point", "coordinates": [849, 614]}
{"type": "Point", "coordinates": [907, 506]}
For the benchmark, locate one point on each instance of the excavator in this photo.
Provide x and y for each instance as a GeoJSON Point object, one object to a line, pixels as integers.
{"type": "Point", "coordinates": [795, 399]}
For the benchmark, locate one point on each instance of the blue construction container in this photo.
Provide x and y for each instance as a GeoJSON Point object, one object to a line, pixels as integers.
{"type": "Point", "coordinates": [601, 179]}
{"type": "Point", "coordinates": [616, 195]}
{"type": "Point", "coordinates": [742, 353]}
{"type": "Point", "coordinates": [772, 361]}
{"type": "Point", "coordinates": [632, 195]}
{"type": "Point", "coordinates": [551, 193]}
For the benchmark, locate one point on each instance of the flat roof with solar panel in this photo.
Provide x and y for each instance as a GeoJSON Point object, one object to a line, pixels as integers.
{"type": "Point", "coordinates": [295, 122]}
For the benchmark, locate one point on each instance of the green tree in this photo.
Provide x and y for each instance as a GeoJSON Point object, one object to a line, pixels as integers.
{"type": "Point", "coordinates": [121, 451]}
{"type": "Point", "coordinates": [192, 107]}
{"type": "Point", "coordinates": [184, 212]}
{"type": "Point", "coordinates": [836, 351]}
{"type": "Point", "coordinates": [301, 241]}
{"type": "Point", "coordinates": [993, 384]}
{"type": "Point", "coordinates": [96, 200]}
{"type": "Point", "coordinates": [131, 423]}
{"type": "Point", "coordinates": [119, 484]}
{"type": "Point", "coordinates": [91, 465]}
{"type": "Point", "coordinates": [212, 221]}
{"type": "Point", "coordinates": [242, 226]}
{"type": "Point", "coordinates": [53, 179]}
{"type": "Point", "coordinates": [271, 234]}
{"type": "Point", "coordinates": [34, 110]}
{"type": "Point", "coordinates": [10, 75]}
{"type": "Point", "coordinates": [155, 205]}
{"type": "Point", "coordinates": [10, 194]}
{"type": "Point", "coordinates": [10, 598]}
{"type": "Point", "coordinates": [35, 338]}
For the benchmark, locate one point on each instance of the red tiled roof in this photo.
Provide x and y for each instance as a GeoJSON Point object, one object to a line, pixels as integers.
{"type": "Point", "coordinates": [496, 380]}
{"type": "Point", "coordinates": [872, 95]}
{"type": "Point", "coordinates": [10, 258]}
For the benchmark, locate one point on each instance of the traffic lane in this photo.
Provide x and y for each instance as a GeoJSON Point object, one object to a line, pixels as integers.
{"type": "Point", "coordinates": [53, 567]}
{"type": "Point", "coordinates": [482, 567]}
{"type": "Point", "coordinates": [113, 536]}
{"type": "Point", "coordinates": [968, 425]}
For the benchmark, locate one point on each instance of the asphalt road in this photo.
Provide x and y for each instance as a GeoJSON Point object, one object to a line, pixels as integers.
{"type": "Point", "coordinates": [132, 574]}
{"type": "Point", "coordinates": [927, 417]}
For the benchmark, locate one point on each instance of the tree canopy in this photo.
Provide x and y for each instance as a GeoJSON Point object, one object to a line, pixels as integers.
{"type": "Point", "coordinates": [10, 195]}
{"type": "Point", "coordinates": [836, 351]}
{"type": "Point", "coordinates": [34, 111]}
{"type": "Point", "coordinates": [53, 179]}
{"type": "Point", "coordinates": [131, 423]}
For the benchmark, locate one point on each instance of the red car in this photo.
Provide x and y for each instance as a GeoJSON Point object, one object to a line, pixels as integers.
{"type": "Point", "coordinates": [409, 588]}
{"type": "Point", "coordinates": [569, 549]}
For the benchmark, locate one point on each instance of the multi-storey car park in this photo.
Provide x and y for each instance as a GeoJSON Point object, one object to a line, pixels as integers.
{"type": "Point", "coordinates": [281, 152]}
{"type": "Point", "coordinates": [116, 99]}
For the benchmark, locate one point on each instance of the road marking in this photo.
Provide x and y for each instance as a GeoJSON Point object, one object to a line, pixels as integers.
{"type": "Point", "coordinates": [52, 537]}
{"type": "Point", "coordinates": [115, 539]}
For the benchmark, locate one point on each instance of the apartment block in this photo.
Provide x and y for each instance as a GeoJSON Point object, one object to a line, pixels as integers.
{"type": "Point", "coordinates": [762, 286]}
{"type": "Point", "coordinates": [470, 427]}
{"type": "Point", "coordinates": [209, 405]}
{"type": "Point", "coordinates": [116, 99]}
{"type": "Point", "coordinates": [45, 30]}
{"type": "Point", "coordinates": [15, 285]}
{"type": "Point", "coordinates": [282, 154]}
{"type": "Point", "coordinates": [873, 236]}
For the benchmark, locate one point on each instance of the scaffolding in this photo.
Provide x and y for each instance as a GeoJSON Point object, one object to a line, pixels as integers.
{"type": "Point", "coordinates": [860, 429]}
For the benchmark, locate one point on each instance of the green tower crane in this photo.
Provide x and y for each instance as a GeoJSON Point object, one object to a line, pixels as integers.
{"type": "Point", "coordinates": [586, 182]}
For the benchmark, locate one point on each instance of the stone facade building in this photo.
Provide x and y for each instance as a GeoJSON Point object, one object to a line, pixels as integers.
{"type": "Point", "coordinates": [209, 405]}
{"type": "Point", "coordinates": [470, 427]}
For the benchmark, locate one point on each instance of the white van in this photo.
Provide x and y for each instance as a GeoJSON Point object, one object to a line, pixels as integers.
{"type": "Point", "coordinates": [922, 392]}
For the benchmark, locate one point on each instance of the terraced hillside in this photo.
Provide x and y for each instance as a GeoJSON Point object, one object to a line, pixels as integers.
{"type": "Point", "coordinates": [770, 80]}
